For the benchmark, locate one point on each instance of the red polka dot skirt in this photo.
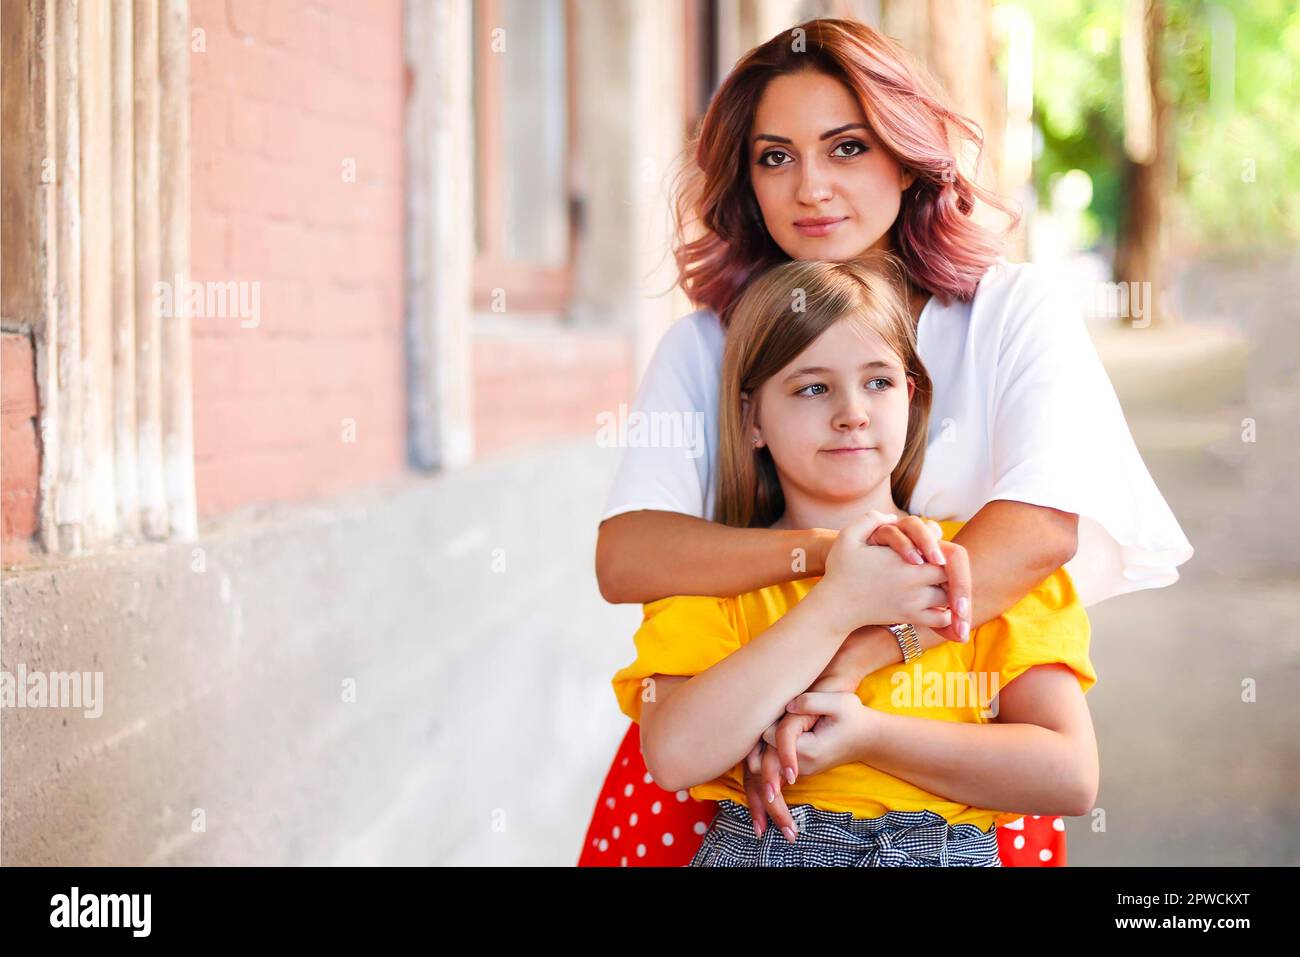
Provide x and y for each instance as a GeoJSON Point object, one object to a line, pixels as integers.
{"type": "Point", "coordinates": [636, 823]}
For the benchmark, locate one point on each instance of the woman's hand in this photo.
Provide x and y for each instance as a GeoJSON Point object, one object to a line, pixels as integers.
{"type": "Point", "coordinates": [918, 541]}
{"type": "Point", "coordinates": [760, 772]}
{"type": "Point", "coordinates": [911, 537]}
{"type": "Point", "coordinates": [822, 730]}
{"type": "Point", "coordinates": [868, 584]}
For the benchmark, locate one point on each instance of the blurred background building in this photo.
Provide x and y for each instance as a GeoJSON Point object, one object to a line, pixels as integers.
{"type": "Point", "coordinates": [309, 311]}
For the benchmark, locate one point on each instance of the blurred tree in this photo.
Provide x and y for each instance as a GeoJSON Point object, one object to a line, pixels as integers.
{"type": "Point", "coordinates": [1139, 253]}
{"type": "Point", "coordinates": [1230, 79]}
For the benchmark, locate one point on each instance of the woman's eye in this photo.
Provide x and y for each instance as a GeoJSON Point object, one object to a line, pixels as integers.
{"type": "Point", "coordinates": [763, 160]}
{"type": "Point", "coordinates": [815, 385]}
{"type": "Point", "coordinates": [858, 148]}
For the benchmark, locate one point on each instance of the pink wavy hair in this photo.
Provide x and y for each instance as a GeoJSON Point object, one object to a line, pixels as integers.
{"type": "Point", "coordinates": [943, 250]}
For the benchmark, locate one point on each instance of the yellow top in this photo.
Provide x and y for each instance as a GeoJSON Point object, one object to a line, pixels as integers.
{"type": "Point", "coordinates": [686, 634]}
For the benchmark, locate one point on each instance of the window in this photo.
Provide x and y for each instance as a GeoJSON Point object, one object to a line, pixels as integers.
{"type": "Point", "coordinates": [524, 228]}
{"type": "Point", "coordinates": [700, 40]}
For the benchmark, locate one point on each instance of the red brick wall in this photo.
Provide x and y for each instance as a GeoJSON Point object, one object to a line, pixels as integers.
{"type": "Point", "coordinates": [19, 450]}
{"type": "Point", "coordinates": [284, 94]}
{"type": "Point", "coordinates": [531, 387]}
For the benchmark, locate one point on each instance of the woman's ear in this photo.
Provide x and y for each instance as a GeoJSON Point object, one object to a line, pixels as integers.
{"type": "Point", "coordinates": [909, 177]}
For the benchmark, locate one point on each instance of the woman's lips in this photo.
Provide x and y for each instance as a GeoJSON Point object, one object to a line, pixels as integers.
{"type": "Point", "coordinates": [818, 227]}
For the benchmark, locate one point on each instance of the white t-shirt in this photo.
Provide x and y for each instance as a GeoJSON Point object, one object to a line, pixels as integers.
{"type": "Point", "coordinates": [1023, 410]}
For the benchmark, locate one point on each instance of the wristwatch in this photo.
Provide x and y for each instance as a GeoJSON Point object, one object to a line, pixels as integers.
{"type": "Point", "coordinates": [907, 641]}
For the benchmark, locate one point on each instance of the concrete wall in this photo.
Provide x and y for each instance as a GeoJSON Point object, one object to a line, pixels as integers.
{"type": "Point", "coordinates": [464, 609]}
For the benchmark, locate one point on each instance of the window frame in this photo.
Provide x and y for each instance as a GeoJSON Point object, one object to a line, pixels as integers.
{"type": "Point", "coordinates": [532, 286]}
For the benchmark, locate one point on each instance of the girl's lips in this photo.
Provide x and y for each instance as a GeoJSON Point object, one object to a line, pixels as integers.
{"type": "Point", "coordinates": [818, 229]}
{"type": "Point", "coordinates": [846, 451]}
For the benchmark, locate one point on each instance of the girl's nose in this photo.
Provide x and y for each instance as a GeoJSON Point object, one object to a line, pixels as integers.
{"type": "Point", "coordinates": [852, 416]}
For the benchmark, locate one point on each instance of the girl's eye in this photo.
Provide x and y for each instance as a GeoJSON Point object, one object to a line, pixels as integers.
{"type": "Point", "coordinates": [858, 148]}
{"type": "Point", "coordinates": [887, 384]}
{"type": "Point", "coordinates": [815, 385]}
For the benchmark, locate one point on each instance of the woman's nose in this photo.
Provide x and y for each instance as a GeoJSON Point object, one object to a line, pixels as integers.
{"type": "Point", "coordinates": [814, 183]}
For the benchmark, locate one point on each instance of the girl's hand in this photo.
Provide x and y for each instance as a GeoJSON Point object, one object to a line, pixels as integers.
{"type": "Point", "coordinates": [783, 735]}
{"type": "Point", "coordinates": [843, 729]}
{"type": "Point", "coordinates": [871, 585]}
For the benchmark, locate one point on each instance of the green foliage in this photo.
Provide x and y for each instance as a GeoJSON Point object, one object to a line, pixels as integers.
{"type": "Point", "coordinates": [1236, 179]}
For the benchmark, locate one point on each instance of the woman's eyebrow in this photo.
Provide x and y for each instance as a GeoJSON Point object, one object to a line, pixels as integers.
{"type": "Point", "coordinates": [825, 136]}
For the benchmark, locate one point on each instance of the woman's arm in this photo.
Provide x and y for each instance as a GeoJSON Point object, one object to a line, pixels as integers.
{"type": "Point", "coordinates": [1005, 568]}
{"type": "Point", "coordinates": [1012, 546]}
{"type": "Point", "coordinates": [1040, 757]}
{"type": "Point", "coordinates": [647, 555]}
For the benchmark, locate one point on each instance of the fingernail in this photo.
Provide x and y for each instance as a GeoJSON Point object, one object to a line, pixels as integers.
{"type": "Point", "coordinates": [963, 629]}
{"type": "Point", "coordinates": [771, 794]}
{"type": "Point", "coordinates": [789, 775]}
{"type": "Point", "coordinates": [962, 607]}
{"type": "Point", "coordinates": [936, 556]}
{"type": "Point", "coordinates": [789, 834]}
{"type": "Point", "coordinates": [916, 557]}
{"type": "Point", "coordinates": [758, 831]}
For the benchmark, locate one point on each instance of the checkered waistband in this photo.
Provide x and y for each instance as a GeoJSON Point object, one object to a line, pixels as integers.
{"type": "Point", "coordinates": [838, 839]}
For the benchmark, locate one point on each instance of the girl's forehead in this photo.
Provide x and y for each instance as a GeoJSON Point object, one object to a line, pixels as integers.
{"type": "Point", "coordinates": [847, 344]}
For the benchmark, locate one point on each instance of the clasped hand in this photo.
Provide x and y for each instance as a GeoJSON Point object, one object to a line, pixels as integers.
{"type": "Point", "coordinates": [830, 726]}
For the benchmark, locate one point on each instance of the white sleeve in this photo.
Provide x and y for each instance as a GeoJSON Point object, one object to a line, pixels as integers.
{"type": "Point", "coordinates": [1059, 439]}
{"type": "Point", "coordinates": [668, 438]}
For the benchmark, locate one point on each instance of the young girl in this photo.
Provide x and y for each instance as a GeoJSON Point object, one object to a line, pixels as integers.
{"type": "Point", "coordinates": [824, 408]}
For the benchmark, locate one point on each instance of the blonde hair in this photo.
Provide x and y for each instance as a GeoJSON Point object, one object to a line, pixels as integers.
{"type": "Point", "coordinates": [778, 316]}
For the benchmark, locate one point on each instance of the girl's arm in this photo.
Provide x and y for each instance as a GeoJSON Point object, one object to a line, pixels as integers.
{"type": "Point", "coordinates": [695, 728]}
{"type": "Point", "coordinates": [1040, 757]}
{"type": "Point", "coordinates": [647, 555]}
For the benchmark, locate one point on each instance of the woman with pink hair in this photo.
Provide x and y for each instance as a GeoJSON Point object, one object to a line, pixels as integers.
{"type": "Point", "coordinates": [826, 143]}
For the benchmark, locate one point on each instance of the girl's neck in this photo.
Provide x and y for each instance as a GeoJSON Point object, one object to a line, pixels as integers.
{"type": "Point", "coordinates": [804, 512]}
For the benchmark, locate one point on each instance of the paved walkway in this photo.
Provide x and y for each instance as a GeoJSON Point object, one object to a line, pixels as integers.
{"type": "Point", "coordinates": [1191, 772]}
